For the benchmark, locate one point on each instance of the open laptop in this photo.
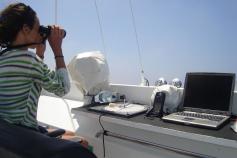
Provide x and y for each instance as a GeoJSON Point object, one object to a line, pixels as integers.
{"type": "Point", "coordinates": [207, 100]}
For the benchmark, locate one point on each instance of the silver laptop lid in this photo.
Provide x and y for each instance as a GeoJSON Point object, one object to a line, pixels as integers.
{"type": "Point", "coordinates": [209, 92]}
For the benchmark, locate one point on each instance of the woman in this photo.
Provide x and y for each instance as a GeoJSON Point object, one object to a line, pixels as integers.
{"type": "Point", "coordinates": [22, 77]}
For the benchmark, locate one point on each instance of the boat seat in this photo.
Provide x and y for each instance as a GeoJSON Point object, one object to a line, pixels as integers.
{"type": "Point", "coordinates": [57, 133]}
{"type": "Point", "coordinates": [8, 154]}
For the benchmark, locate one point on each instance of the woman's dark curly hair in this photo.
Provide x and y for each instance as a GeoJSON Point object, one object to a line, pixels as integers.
{"type": "Point", "coordinates": [12, 19]}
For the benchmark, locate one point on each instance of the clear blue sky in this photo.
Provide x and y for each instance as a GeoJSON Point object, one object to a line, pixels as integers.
{"type": "Point", "coordinates": [175, 36]}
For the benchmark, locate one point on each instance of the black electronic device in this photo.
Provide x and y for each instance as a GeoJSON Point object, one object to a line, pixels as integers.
{"type": "Point", "coordinates": [157, 105]}
{"type": "Point", "coordinates": [46, 30]}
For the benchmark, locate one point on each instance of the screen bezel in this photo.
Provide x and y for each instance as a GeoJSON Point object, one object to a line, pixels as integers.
{"type": "Point", "coordinates": [209, 74]}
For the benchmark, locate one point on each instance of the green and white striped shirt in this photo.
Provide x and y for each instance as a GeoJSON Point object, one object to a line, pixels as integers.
{"type": "Point", "coordinates": [22, 77]}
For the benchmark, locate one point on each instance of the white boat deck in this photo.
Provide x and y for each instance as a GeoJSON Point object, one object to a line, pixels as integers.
{"type": "Point", "coordinates": [58, 112]}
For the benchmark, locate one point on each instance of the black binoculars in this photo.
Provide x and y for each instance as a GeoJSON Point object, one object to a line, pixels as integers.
{"type": "Point", "coordinates": [46, 30]}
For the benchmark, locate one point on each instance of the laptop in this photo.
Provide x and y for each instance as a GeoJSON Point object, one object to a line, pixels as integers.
{"type": "Point", "coordinates": [207, 100]}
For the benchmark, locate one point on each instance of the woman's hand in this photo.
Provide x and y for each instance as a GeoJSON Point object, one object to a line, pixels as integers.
{"type": "Point", "coordinates": [55, 40]}
{"type": "Point", "coordinates": [84, 143]}
{"type": "Point", "coordinates": [72, 136]}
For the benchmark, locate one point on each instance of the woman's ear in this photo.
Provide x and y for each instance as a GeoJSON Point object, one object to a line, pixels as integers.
{"type": "Point", "coordinates": [25, 29]}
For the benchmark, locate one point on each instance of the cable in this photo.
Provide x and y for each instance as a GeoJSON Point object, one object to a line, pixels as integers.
{"type": "Point", "coordinates": [135, 31]}
{"type": "Point", "coordinates": [138, 46]}
{"type": "Point", "coordinates": [101, 30]}
{"type": "Point", "coordinates": [103, 134]}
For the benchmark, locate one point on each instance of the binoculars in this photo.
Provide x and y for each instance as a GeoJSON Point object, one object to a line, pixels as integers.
{"type": "Point", "coordinates": [46, 30]}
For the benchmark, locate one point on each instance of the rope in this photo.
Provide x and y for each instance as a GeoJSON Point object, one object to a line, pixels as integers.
{"type": "Point", "coordinates": [101, 30]}
{"type": "Point", "coordinates": [137, 41]}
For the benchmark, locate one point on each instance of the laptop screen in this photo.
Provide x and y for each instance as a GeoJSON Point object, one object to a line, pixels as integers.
{"type": "Point", "coordinates": [211, 91]}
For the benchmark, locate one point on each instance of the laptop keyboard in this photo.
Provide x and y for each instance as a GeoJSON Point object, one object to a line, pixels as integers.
{"type": "Point", "coordinates": [202, 116]}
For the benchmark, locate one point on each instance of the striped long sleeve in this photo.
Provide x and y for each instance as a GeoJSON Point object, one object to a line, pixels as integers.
{"type": "Point", "coordinates": [22, 77]}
